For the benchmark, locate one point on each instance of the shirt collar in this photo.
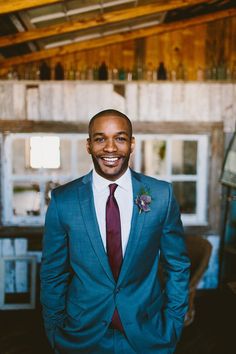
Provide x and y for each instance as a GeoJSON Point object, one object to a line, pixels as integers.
{"type": "Point", "coordinates": [101, 183]}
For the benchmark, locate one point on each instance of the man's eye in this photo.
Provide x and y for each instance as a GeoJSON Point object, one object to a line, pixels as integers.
{"type": "Point", "coordinates": [121, 138]}
{"type": "Point", "coordinates": [99, 140]}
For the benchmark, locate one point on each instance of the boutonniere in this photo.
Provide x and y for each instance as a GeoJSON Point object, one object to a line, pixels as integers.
{"type": "Point", "coordinates": [143, 200]}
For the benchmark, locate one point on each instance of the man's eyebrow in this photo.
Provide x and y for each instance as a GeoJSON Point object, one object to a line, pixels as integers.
{"type": "Point", "coordinates": [122, 133]}
{"type": "Point", "coordinates": [118, 133]}
{"type": "Point", "coordinates": [98, 133]}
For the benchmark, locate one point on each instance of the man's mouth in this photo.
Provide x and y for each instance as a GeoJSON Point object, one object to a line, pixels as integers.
{"type": "Point", "coordinates": [110, 160]}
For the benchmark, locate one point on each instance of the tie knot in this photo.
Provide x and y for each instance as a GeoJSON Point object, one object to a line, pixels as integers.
{"type": "Point", "coordinates": [112, 187]}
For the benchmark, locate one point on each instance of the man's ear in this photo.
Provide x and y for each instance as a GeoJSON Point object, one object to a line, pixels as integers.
{"type": "Point", "coordinates": [132, 144]}
{"type": "Point", "coordinates": [88, 146]}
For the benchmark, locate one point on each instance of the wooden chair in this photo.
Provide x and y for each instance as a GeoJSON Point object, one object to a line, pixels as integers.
{"type": "Point", "coordinates": [199, 250]}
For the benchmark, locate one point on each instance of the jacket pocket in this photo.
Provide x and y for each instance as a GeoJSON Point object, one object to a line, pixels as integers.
{"type": "Point", "coordinates": [153, 309]}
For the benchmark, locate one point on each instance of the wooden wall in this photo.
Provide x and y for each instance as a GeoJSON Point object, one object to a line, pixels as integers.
{"type": "Point", "coordinates": [201, 46]}
{"type": "Point", "coordinates": [77, 101]}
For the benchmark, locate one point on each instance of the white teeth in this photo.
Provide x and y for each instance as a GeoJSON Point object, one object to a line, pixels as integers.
{"type": "Point", "coordinates": [110, 159]}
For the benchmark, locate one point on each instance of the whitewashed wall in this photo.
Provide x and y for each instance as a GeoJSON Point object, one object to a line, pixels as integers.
{"type": "Point", "coordinates": [78, 101]}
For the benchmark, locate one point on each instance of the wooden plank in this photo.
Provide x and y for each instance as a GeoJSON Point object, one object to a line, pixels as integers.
{"type": "Point", "coordinates": [6, 99]}
{"type": "Point", "coordinates": [19, 5]}
{"type": "Point", "coordinates": [215, 188]}
{"type": "Point", "coordinates": [29, 126]}
{"type": "Point", "coordinates": [32, 102]}
{"type": "Point", "coordinates": [101, 19]}
{"type": "Point", "coordinates": [18, 103]}
{"type": "Point", "coordinates": [116, 38]}
{"type": "Point", "coordinates": [71, 109]}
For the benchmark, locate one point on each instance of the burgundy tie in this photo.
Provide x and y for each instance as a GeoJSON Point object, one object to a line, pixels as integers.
{"type": "Point", "coordinates": [113, 242]}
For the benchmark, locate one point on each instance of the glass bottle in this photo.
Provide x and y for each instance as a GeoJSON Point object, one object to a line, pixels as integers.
{"type": "Point", "coordinates": [200, 74]}
{"type": "Point", "coordinates": [95, 72]}
{"type": "Point", "coordinates": [45, 71]}
{"type": "Point", "coordinates": [90, 74]}
{"type": "Point", "coordinates": [233, 74]}
{"type": "Point", "coordinates": [135, 73]}
{"type": "Point", "coordinates": [161, 72]}
{"type": "Point", "coordinates": [121, 74]}
{"type": "Point", "coordinates": [59, 72]}
{"type": "Point", "coordinates": [115, 74]}
{"type": "Point", "coordinates": [103, 71]}
{"type": "Point", "coordinates": [140, 73]}
{"type": "Point", "coordinates": [71, 74]}
{"type": "Point", "coordinates": [180, 72]}
{"type": "Point", "coordinates": [213, 73]}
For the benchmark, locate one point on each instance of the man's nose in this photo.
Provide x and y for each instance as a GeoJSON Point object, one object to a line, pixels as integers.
{"type": "Point", "coordinates": [110, 145]}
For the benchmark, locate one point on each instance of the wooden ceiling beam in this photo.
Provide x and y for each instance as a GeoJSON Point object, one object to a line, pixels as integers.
{"type": "Point", "coordinates": [19, 5]}
{"type": "Point", "coordinates": [104, 19]}
{"type": "Point", "coordinates": [115, 38]}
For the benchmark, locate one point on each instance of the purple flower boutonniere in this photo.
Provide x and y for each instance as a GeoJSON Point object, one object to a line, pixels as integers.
{"type": "Point", "coordinates": [143, 201]}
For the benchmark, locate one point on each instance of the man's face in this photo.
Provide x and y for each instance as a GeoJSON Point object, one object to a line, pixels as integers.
{"type": "Point", "coordinates": [110, 145]}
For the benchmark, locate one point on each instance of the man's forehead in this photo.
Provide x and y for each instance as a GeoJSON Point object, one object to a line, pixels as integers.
{"type": "Point", "coordinates": [112, 120]}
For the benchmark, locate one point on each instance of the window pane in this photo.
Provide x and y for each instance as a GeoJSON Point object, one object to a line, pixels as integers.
{"type": "Point", "coordinates": [49, 186]}
{"type": "Point", "coordinates": [20, 156]}
{"type": "Point", "coordinates": [84, 162]}
{"type": "Point", "coordinates": [65, 155]}
{"type": "Point", "coordinates": [154, 157]}
{"type": "Point", "coordinates": [184, 157]}
{"type": "Point", "coordinates": [17, 281]}
{"type": "Point", "coordinates": [26, 199]}
{"type": "Point", "coordinates": [44, 152]}
{"type": "Point", "coordinates": [185, 193]}
{"type": "Point", "coordinates": [55, 159]}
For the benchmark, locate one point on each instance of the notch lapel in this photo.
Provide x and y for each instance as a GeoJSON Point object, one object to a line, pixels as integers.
{"type": "Point", "coordinates": [137, 222]}
{"type": "Point", "coordinates": [86, 202]}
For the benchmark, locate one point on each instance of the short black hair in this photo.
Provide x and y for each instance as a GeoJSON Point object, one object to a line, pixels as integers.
{"type": "Point", "coordinates": [110, 112]}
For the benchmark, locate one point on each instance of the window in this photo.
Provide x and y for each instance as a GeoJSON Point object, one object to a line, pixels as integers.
{"type": "Point", "coordinates": [44, 152]}
{"type": "Point", "coordinates": [36, 163]}
{"type": "Point", "coordinates": [182, 160]}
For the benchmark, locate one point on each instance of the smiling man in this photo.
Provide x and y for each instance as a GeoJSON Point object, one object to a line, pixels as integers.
{"type": "Point", "coordinates": [105, 236]}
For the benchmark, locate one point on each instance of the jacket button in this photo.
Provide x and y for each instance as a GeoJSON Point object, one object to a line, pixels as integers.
{"type": "Point", "coordinates": [117, 290]}
{"type": "Point", "coordinates": [104, 322]}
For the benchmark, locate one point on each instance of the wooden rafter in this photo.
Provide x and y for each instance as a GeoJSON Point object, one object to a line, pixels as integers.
{"type": "Point", "coordinates": [19, 5]}
{"type": "Point", "coordinates": [107, 18]}
{"type": "Point", "coordinates": [116, 38]}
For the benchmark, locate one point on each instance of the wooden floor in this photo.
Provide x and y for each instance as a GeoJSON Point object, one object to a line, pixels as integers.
{"type": "Point", "coordinates": [212, 332]}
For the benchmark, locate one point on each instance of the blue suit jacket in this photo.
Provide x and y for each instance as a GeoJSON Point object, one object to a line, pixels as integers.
{"type": "Point", "coordinates": [78, 292]}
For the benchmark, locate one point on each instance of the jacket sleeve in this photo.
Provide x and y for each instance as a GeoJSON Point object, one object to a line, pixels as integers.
{"type": "Point", "coordinates": [176, 264]}
{"type": "Point", "coordinates": [55, 270]}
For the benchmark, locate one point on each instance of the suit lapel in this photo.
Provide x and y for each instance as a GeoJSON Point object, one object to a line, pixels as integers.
{"type": "Point", "coordinates": [136, 227]}
{"type": "Point", "coordinates": [86, 202]}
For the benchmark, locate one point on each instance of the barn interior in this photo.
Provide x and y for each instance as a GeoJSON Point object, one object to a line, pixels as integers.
{"type": "Point", "coordinates": [170, 66]}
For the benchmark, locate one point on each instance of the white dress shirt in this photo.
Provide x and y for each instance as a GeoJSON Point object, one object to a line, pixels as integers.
{"type": "Point", "coordinates": [124, 198]}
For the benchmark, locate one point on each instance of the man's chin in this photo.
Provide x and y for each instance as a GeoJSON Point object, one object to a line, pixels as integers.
{"type": "Point", "coordinates": [111, 173]}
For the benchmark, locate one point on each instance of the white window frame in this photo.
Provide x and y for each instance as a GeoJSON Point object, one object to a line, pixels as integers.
{"type": "Point", "coordinates": [9, 178]}
{"type": "Point", "coordinates": [200, 217]}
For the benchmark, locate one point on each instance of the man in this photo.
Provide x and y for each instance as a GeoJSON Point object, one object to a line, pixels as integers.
{"type": "Point", "coordinates": [105, 234]}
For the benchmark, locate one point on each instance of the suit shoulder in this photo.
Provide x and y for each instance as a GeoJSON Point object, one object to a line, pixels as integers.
{"type": "Point", "coordinates": [151, 181]}
{"type": "Point", "coordinates": [67, 187]}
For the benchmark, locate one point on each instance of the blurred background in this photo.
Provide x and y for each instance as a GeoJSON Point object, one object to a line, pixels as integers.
{"type": "Point", "coordinates": [171, 67]}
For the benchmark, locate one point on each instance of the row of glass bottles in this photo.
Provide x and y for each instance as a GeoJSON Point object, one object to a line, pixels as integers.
{"type": "Point", "coordinates": [103, 72]}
